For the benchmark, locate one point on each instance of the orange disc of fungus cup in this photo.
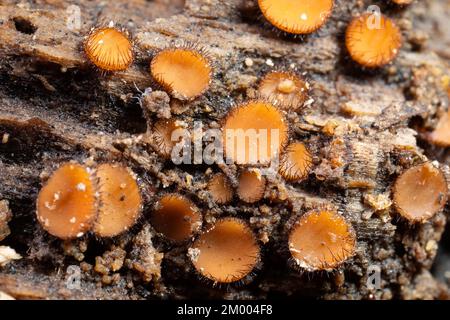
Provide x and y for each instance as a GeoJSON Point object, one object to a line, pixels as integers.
{"type": "Point", "coordinates": [296, 17]}
{"type": "Point", "coordinates": [227, 252]}
{"type": "Point", "coordinates": [120, 200]}
{"type": "Point", "coordinates": [184, 73]}
{"type": "Point", "coordinates": [176, 217]}
{"type": "Point", "coordinates": [66, 205]}
{"type": "Point", "coordinates": [251, 185]}
{"type": "Point", "coordinates": [254, 133]}
{"type": "Point", "coordinates": [109, 49]}
{"type": "Point", "coordinates": [295, 162]}
{"type": "Point", "coordinates": [420, 192]}
{"type": "Point", "coordinates": [402, 2]}
{"type": "Point", "coordinates": [220, 189]}
{"type": "Point", "coordinates": [284, 89]}
{"type": "Point", "coordinates": [321, 240]}
{"type": "Point", "coordinates": [373, 40]}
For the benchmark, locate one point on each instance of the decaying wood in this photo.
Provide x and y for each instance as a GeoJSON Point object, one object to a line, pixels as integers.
{"type": "Point", "coordinates": [363, 127]}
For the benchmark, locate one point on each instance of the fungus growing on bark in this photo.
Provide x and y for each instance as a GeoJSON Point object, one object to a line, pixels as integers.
{"type": "Point", "coordinates": [284, 89]}
{"type": "Point", "coordinates": [76, 200]}
{"type": "Point", "coordinates": [227, 252]}
{"type": "Point", "coordinates": [220, 189]}
{"type": "Point", "coordinates": [296, 162]}
{"type": "Point", "coordinates": [296, 17]}
{"type": "Point", "coordinates": [251, 185]}
{"type": "Point", "coordinates": [176, 217]}
{"type": "Point", "coordinates": [183, 72]}
{"type": "Point", "coordinates": [109, 49]}
{"type": "Point", "coordinates": [66, 205]}
{"type": "Point", "coordinates": [373, 40]}
{"type": "Point", "coordinates": [321, 240]}
{"type": "Point", "coordinates": [254, 133]}
{"type": "Point", "coordinates": [120, 201]}
{"type": "Point", "coordinates": [420, 192]}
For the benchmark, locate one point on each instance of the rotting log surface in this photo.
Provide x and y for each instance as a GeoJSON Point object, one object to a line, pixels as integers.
{"type": "Point", "coordinates": [55, 107]}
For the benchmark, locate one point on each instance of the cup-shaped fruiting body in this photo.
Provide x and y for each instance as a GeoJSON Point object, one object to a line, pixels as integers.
{"type": "Point", "coordinates": [251, 185]}
{"type": "Point", "coordinates": [165, 136]}
{"type": "Point", "coordinates": [295, 162]}
{"type": "Point", "coordinates": [220, 189]}
{"type": "Point", "coordinates": [120, 201]}
{"type": "Point", "coordinates": [441, 134]}
{"type": "Point", "coordinates": [109, 49]}
{"type": "Point", "coordinates": [420, 192]}
{"type": "Point", "coordinates": [76, 200]}
{"type": "Point", "coordinates": [284, 89]}
{"type": "Point", "coordinates": [321, 240]}
{"type": "Point", "coordinates": [66, 205]}
{"type": "Point", "coordinates": [183, 72]}
{"type": "Point", "coordinates": [296, 17]}
{"type": "Point", "coordinates": [254, 133]}
{"type": "Point", "coordinates": [227, 252]}
{"type": "Point", "coordinates": [373, 40]}
{"type": "Point", "coordinates": [176, 217]}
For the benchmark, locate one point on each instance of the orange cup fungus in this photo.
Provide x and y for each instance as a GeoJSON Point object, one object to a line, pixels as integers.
{"type": "Point", "coordinates": [420, 192]}
{"type": "Point", "coordinates": [373, 40]}
{"type": "Point", "coordinates": [120, 200]}
{"type": "Point", "coordinates": [296, 162]}
{"type": "Point", "coordinates": [220, 189]}
{"type": "Point", "coordinates": [321, 240]}
{"type": "Point", "coordinates": [254, 133]}
{"type": "Point", "coordinates": [296, 17]}
{"type": "Point", "coordinates": [227, 252]}
{"type": "Point", "coordinates": [251, 185]}
{"type": "Point", "coordinates": [185, 73]}
{"type": "Point", "coordinates": [109, 49]}
{"type": "Point", "coordinates": [284, 89]}
{"type": "Point", "coordinates": [73, 203]}
{"type": "Point", "coordinates": [66, 205]}
{"type": "Point", "coordinates": [176, 217]}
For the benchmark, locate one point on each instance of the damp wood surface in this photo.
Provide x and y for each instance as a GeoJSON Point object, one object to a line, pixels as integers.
{"type": "Point", "coordinates": [362, 127]}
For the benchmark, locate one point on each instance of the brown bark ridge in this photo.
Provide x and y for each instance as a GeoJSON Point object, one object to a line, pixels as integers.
{"type": "Point", "coordinates": [363, 127]}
